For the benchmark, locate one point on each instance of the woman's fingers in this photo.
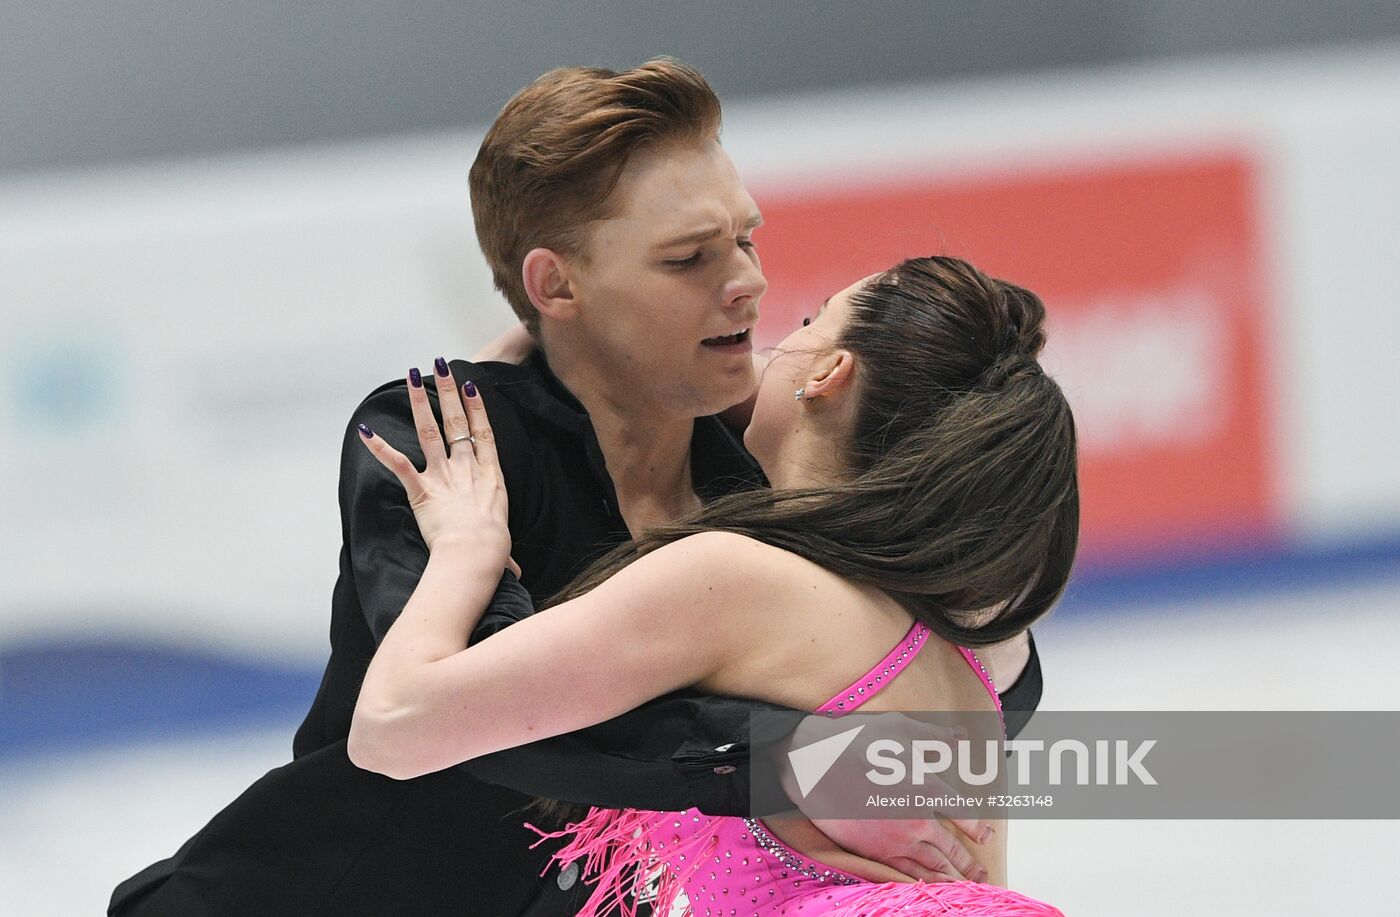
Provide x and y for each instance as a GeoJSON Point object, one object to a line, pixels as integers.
{"type": "Point", "coordinates": [397, 463]}
{"type": "Point", "coordinates": [941, 851]}
{"type": "Point", "coordinates": [976, 830]}
{"type": "Point", "coordinates": [480, 426]}
{"type": "Point", "coordinates": [429, 436]}
{"type": "Point", "coordinates": [917, 872]}
{"type": "Point", "coordinates": [871, 871]}
{"type": "Point", "coordinates": [454, 419]}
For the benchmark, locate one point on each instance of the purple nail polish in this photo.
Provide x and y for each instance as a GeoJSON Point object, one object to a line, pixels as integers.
{"type": "Point", "coordinates": [365, 431]}
{"type": "Point", "coordinates": [441, 366]}
{"type": "Point", "coordinates": [470, 388]}
{"type": "Point", "coordinates": [415, 378]}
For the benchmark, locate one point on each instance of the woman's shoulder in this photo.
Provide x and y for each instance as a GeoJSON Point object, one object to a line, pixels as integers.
{"type": "Point", "coordinates": [739, 571]}
{"type": "Point", "coordinates": [737, 551]}
{"type": "Point", "coordinates": [786, 629]}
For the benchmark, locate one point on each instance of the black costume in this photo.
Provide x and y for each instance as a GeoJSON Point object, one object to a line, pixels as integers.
{"type": "Point", "coordinates": [320, 838]}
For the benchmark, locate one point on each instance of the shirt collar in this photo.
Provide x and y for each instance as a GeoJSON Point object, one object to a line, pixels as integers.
{"type": "Point", "coordinates": [719, 464]}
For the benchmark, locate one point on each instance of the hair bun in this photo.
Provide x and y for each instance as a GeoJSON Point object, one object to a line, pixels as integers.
{"type": "Point", "coordinates": [1011, 366]}
{"type": "Point", "coordinates": [1025, 317]}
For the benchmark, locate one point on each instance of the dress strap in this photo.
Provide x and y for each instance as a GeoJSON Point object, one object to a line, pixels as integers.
{"type": "Point", "coordinates": [986, 677]}
{"type": "Point", "coordinates": [869, 684]}
{"type": "Point", "coordinates": [982, 673]}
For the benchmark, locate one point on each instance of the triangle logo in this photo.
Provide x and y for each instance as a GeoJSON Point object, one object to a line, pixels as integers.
{"type": "Point", "coordinates": [811, 762]}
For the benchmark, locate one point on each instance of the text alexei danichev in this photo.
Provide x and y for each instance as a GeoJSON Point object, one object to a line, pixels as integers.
{"type": "Point", "coordinates": [958, 801]}
{"type": "Point", "coordinates": [916, 801]}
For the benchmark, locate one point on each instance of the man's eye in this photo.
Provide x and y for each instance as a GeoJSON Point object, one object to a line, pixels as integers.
{"type": "Point", "coordinates": [746, 244]}
{"type": "Point", "coordinates": [685, 262]}
{"type": "Point", "coordinates": [806, 321]}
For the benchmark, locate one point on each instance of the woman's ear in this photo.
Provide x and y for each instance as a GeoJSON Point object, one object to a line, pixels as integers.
{"type": "Point", "coordinates": [832, 375]}
{"type": "Point", "coordinates": [547, 283]}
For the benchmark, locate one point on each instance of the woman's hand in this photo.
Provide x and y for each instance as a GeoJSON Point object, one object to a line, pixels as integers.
{"type": "Point", "coordinates": [459, 499]}
{"type": "Point", "coordinates": [924, 848]}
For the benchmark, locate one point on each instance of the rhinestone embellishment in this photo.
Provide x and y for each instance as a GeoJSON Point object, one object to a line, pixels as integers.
{"type": "Point", "coordinates": [793, 863]}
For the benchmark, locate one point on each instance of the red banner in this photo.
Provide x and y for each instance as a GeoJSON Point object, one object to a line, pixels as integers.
{"type": "Point", "coordinates": [1151, 272]}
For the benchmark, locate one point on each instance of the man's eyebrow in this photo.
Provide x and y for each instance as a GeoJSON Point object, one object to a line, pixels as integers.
{"type": "Point", "coordinates": [754, 221]}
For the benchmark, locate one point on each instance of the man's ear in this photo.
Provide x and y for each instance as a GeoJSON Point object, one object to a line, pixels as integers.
{"type": "Point", "coordinates": [546, 277]}
{"type": "Point", "coordinates": [833, 375]}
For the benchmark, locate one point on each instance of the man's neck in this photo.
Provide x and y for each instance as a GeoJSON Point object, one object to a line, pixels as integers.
{"type": "Point", "coordinates": [646, 446]}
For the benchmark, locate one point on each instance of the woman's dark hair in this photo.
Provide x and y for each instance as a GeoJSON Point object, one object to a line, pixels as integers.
{"type": "Point", "coordinates": [963, 499]}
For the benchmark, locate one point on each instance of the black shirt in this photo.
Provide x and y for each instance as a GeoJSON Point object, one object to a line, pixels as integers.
{"type": "Point", "coordinates": [319, 836]}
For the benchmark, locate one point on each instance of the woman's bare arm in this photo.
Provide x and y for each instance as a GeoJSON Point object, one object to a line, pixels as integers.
{"type": "Point", "coordinates": [665, 622]}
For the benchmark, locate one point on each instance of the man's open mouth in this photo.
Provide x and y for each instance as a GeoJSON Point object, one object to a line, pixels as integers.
{"type": "Point", "coordinates": [737, 338]}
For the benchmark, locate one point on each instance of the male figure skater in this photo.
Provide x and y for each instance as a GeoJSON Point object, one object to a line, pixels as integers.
{"type": "Point", "coordinates": [621, 235]}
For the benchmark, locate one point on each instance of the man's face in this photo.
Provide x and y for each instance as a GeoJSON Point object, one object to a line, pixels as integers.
{"type": "Point", "coordinates": [671, 276]}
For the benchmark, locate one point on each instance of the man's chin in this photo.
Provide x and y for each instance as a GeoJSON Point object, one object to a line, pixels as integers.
{"type": "Point", "coordinates": [736, 388]}
{"type": "Point", "coordinates": [701, 394]}
{"type": "Point", "coordinates": [722, 403]}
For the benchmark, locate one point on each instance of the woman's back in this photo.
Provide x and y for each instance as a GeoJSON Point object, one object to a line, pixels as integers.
{"type": "Point", "coordinates": [822, 636]}
{"type": "Point", "coordinates": [813, 632]}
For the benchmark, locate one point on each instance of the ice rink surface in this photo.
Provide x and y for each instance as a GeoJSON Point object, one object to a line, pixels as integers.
{"type": "Point", "coordinates": [75, 824]}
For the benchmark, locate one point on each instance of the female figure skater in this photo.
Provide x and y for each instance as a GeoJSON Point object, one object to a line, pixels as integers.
{"type": "Point", "coordinates": [925, 499]}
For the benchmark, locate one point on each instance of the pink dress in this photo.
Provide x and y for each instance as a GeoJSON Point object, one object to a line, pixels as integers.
{"type": "Point", "coordinates": [731, 866]}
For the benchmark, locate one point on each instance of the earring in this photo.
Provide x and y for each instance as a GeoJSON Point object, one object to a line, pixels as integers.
{"type": "Point", "coordinates": [799, 393]}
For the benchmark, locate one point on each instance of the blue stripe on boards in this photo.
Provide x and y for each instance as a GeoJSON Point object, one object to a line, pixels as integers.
{"type": "Point", "coordinates": [1234, 571]}
{"type": "Point", "coordinates": [67, 696]}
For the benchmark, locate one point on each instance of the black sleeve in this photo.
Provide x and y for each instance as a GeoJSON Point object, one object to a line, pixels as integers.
{"type": "Point", "coordinates": [387, 552]}
{"type": "Point", "coordinates": [661, 756]}
{"type": "Point", "coordinates": [1019, 701]}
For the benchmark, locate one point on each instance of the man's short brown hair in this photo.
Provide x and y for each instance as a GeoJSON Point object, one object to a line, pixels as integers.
{"type": "Point", "coordinates": [557, 149]}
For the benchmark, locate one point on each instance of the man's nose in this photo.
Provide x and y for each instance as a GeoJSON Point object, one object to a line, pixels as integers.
{"type": "Point", "coordinates": [747, 283]}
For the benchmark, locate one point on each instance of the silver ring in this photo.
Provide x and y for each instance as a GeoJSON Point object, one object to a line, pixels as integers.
{"type": "Point", "coordinates": [467, 436]}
